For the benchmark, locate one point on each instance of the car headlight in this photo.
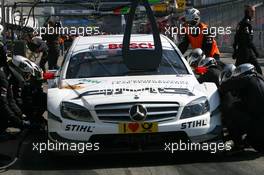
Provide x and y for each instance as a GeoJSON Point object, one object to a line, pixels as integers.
{"type": "Point", "coordinates": [75, 112]}
{"type": "Point", "coordinates": [195, 108]}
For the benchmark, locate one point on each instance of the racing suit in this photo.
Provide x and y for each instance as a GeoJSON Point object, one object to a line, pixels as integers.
{"type": "Point", "coordinates": [53, 49]}
{"type": "Point", "coordinates": [34, 100]}
{"type": "Point", "coordinates": [212, 75]}
{"type": "Point", "coordinates": [198, 39]}
{"type": "Point", "coordinates": [10, 112]}
{"type": "Point", "coordinates": [244, 49]}
{"type": "Point", "coordinates": [28, 95]}
{"type": "Point", "coordinates": [38, 45]}
{"type": "Point", "coordinates": [246, 114]}
{"type": "Point", "coordinates": [7, 105]}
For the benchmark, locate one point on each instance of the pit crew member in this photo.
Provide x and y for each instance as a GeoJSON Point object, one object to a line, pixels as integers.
{"type": "Point", "coordinates": [197, 38]}
{"type": "Point", "coordinates": [212, 73]}
{"type": "Point", "coordinates": [244, 49]}
{"type": "Point", "coordinates": [245, 116]}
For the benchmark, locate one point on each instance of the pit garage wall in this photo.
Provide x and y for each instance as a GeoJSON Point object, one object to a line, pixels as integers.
{"type": "Point", "coordinates": [228, 15]}
{"type": "Point", "coordinates": [199, 3]}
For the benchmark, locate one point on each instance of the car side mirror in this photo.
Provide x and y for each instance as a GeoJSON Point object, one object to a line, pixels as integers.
{"type": "Point", "coordinates": [50, 75]}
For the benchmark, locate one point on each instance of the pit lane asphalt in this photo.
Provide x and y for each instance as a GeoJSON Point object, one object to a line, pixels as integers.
{"type": "Point", "coordinates": [31, 162]}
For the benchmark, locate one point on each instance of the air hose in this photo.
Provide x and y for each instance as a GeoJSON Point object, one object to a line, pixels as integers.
{"type": "Point", "coordinates": [24, 134]}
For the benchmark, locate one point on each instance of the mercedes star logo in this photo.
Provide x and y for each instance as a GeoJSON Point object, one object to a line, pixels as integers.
{"type": "Point", "coordinates": [138, 112]}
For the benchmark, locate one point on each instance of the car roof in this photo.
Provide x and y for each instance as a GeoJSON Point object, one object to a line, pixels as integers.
{"type": "Point", "coordinates": [82, 43]}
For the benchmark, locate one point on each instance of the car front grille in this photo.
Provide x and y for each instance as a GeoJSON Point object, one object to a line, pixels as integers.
{"type": "Point", "coordinates": [119, 112]}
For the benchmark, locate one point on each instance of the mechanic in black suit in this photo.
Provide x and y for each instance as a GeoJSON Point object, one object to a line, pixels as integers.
{"type": "Point", "coordinates": [244, 49]}
{"type": "Point", "coordinates": [245, 116]}
{"type": "Point", "coordinates": [8, 109]}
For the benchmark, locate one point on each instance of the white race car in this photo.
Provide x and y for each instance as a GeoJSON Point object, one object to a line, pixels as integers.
{"type": "Point", "coordinates": [96, 98]}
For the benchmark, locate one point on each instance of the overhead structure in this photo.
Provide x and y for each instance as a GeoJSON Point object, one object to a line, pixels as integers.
{"type": "Point", "coordinates": [142, 59]}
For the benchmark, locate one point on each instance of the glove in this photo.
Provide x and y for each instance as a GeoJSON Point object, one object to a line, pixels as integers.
{"type": "Point", "coordinates": [24, 117]}
{"type": "Point", "coordinates": [26, 123]}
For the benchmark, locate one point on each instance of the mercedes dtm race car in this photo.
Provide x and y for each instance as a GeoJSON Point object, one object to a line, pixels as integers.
{"type": "Point", "coordinates": [96, 98]}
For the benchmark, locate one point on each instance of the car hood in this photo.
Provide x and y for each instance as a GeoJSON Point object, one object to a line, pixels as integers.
{"type": "Point", "coordinates": [127, 88]}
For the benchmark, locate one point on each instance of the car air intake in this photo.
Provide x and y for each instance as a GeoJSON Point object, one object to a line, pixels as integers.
{"type": "Point", "coordinates": [119, 112]}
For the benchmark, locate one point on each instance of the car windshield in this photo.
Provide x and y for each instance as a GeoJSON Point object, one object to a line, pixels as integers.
{"type": "Point", "coordinates": [108, 63]}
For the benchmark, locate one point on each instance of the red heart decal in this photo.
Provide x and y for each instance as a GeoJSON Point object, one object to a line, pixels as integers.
{"type": "Point", "coordinates": [133, 126]}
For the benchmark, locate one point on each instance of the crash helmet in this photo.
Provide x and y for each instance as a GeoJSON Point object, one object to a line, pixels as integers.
{"type": "Point", "coordinates": [195, 57]}
{"type": "Point", "coordinates": [243, 70]}
{"type": "Point", "coordinates": [227, 72]}
{"type": "Point", "coordinates": [26, 67]}
{"type": "Point", "coordinates": [207, 62]}
{"type": "Point", "coordinates": [192, 16]}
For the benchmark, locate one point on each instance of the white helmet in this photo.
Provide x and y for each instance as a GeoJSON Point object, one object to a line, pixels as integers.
{"type": "Point", "coordinates": [227, 73]}
{"type": "Point", "coordinates": [195, 57]}
{"type": "Point", "coordinates": [244, 69]}
{"type": "Point", "coordinates": [26, 66]}
{"type": "Point", "coordinates": [192, 16]}
{"type": "Point", "coordinates": [207, 62]}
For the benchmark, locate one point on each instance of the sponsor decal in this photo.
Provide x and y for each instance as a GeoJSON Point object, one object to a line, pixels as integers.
{"type": "Point", "coordinates": [96, 47]}
{"type": "Point", "coordinates": [120, 91]}
{"type": "Point", "coordinates": [125, 128]}
{"type": "Point", "coordinates": [79, 128]}
{"type": "Point", "coordinates": [194, 124]}
{"type": "Point", "coordinates": [90, 81]}
{"type": "Point", "coordinates": [150, 82]}
{"type": "Point", "coordinates": [133, 46]}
